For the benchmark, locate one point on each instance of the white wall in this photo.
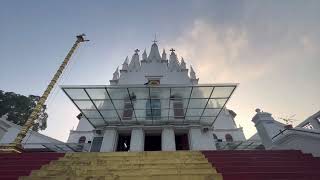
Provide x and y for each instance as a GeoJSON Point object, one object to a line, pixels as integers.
{"type": "Point", "coordinates": [305, 141]}
{"type": "Point", "coordinates": [200, 140]}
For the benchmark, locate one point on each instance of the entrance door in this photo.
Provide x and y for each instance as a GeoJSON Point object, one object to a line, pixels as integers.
{"type": "Point", "coordinates": [152, 143]}
{"type": "Point", "coordinates": [123, 142]}
{"type": "Point", "coordinates": [182, 142]}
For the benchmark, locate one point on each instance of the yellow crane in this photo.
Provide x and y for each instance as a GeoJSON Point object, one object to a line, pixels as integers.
{"type": "Point", "coordinates": [16, 146]}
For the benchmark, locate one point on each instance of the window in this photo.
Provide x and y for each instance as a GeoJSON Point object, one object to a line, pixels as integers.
{"type": "Point", "coordinates": [307, 126]}
{"type": "Point", "coordinates": [128, 110]}
{"type": "Point", "coordinates": [229, 138]}
{"type": "Point", "coordinates": [82, 139]}
{"type": "Point", "coordinates": [177, 108]}
{"type": "Point", "coordinates": [153, 109]}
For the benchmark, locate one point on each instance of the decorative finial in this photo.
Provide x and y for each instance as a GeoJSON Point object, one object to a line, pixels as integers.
{"type": "Point", "coordinates": [172, 50]}
{"type": "Point", "coordinates": [258, 110]}
{"type": "Point", "coordinates": [136, 51]}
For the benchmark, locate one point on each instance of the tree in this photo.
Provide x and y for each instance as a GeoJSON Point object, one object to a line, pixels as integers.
{"type": "Point", "coordinates": [18, 108]}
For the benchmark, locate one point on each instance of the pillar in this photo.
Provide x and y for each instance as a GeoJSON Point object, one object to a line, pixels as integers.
{"type": "Point", "coordinates": [110, 139]}
{"type": "Point", "coordinates": [266, 127]}
{"type": "Point", "coordinates": [137, 140]}
{"type": "Point", "coordinates": [168, 142]}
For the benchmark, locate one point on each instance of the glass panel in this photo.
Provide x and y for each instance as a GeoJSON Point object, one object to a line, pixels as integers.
{"type": "Point", "coordinates": [118, 104]}
{"type": "Point", "coordinates": [216, 103]}
{"type": "Point", "coordinates": [201, 92]}
{"type": "Point", "coordinates": [162, 93]}
{"type": "Point", "coordinates": [118, 93]}
{"type": "Point", "coordinates": [139, 104]}
{"type": "Point", "coordinates": [197, 103]}
{"type": "Point", "coordinates": [139, 93]}
{"type": "Point", "coordinates": [194, 112]}
{"type": "Point", "coordinates": [97, 121]}
{"type": "Point", "coordinates": [211, 112]}
{"type": "Point", "coordinates": [77, 93]}
{"type": "Point", "coordinates": [104, 104]}
{"type": "Point", "coordinates": [191, 118]}
{"type": "Point", "coordinates": [91, 114]}
{"type": "Point", "coordinates": [183, 92]}
{"type": "Point", "coordinates": [222, 92]}
{"type": "Point", "coordinates": [84, 104]}
{"type": "Point", "coordinates": [97, 93]}
{"type": "Point", "coordinates": [111, 114]}
{"type": "Point", "coordinates": [140, 113]}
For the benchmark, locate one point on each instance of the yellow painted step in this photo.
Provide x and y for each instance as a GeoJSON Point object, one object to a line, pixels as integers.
{"type": "Point", "coordinates": [134, 172]}
{"type": "Point", "coordinates": [153, 153]}
{"type": "Point", "coordinates": [129, 166]}
{"type": "Point", "coordinates": [162, 177]}
{"type": "Point", "coordinates": [182, 165]}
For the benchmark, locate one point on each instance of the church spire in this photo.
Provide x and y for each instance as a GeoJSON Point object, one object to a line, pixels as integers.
{"type": "Point", "coordinates": [154, 55]}
{"type": "Point", "coordinates": [135, 62]}
{"type": "Point", "coordinates": [183, 64]}
{"type": "Point", "coordinates": [144, 55]}
{"type": "Point", "coordinates": [164, 55]}
{"type": "Point", "coordinates": [116, 74]}
{"type": "Point", "coordinates": [192, 73]}
{"type": "Point", "coordinates": [173, 61]}
{"type": "Point", "coordinates": [125, 65]}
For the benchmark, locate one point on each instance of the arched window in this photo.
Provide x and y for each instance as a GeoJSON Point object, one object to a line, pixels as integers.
{"type": "Point", "coordinates": [177, 107]}
{"type": "Point", "coordinates": [229, 138]}
{"type": "Point", "coordinates": [214, 136]}
{"type": "Point", "coordinates": [153, 108]}
{"type": "Point", "coordinates": [82, 139]}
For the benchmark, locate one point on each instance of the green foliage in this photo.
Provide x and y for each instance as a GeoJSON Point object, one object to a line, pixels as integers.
{"type": "Point", "coordinates": [18, 108]}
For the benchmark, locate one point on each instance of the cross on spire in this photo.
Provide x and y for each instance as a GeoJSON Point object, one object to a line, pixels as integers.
{"type": "Point", "coordinates": [136, 51]}
{"type": "Point", "coordinates": [155, 38]}
{"type": "Point", "coordinates": [172, 50]}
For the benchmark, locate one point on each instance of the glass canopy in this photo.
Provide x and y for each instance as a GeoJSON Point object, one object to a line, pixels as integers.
{"type": "Point", "coordinates": [150, 105]}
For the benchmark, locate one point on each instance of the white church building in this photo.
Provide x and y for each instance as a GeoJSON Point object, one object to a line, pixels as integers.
{"type": "Point", "coordinates": [153, 103]}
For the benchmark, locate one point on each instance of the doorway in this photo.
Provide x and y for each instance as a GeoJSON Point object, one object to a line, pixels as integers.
{"type": "Point", "coordinates": [152, 143]}
{"type": "Point", "coordinates": [123, 142]}
{"type": "Point", "coordinates": [182, 142]}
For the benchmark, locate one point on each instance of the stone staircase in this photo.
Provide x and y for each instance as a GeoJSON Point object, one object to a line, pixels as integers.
{"type": "Point", "coordinates": [14, 165]}
{"type": "Point", "coordinates": [180, 165]}
{"type": "Point", "coordinates": [265, 164]}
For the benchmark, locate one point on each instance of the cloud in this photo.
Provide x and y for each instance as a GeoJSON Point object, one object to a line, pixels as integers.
{"type": "Point", "coordinates": [269, 68]}
{"type": "Point", "coordinates": [218, 55]}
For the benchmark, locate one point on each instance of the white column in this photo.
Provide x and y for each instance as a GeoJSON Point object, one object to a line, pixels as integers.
{"type": "Point", "coordinates": [266, 127]}
{"type": "Point", "coordinates": [201, 140]}
{"type": "Point", "coordinates": [110, 139]}
{"type": "Point", "coordinates": [137, 140]}
{"type": "Point", "coordinates": [168, 142]}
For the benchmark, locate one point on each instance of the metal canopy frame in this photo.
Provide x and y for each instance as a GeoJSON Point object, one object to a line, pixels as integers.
{"type": "Point", "coordinates": [209, 96]}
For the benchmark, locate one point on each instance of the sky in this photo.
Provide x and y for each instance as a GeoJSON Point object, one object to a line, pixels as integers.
{"type": "Point", "coordinates": [271, 48]}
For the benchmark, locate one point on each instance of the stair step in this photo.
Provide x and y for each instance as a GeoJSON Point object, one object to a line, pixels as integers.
{"type": "Point", "coordinates": [153, 177]}
{"type": "Point", "coordinates": [135, 172]}
{"type": "Point", "coordinates": [129, 166]}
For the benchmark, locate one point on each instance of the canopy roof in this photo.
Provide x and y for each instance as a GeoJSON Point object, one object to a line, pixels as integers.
{"type": "Point", "coordinates": [105, 105]}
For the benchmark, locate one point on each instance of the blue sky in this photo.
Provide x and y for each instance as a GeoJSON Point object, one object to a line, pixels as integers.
{"type": "Point", "coordinates": [271, 48]}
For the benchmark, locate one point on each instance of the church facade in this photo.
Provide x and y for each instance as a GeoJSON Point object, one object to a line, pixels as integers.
{"type": "Point", "coordinates": [153, 103]}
